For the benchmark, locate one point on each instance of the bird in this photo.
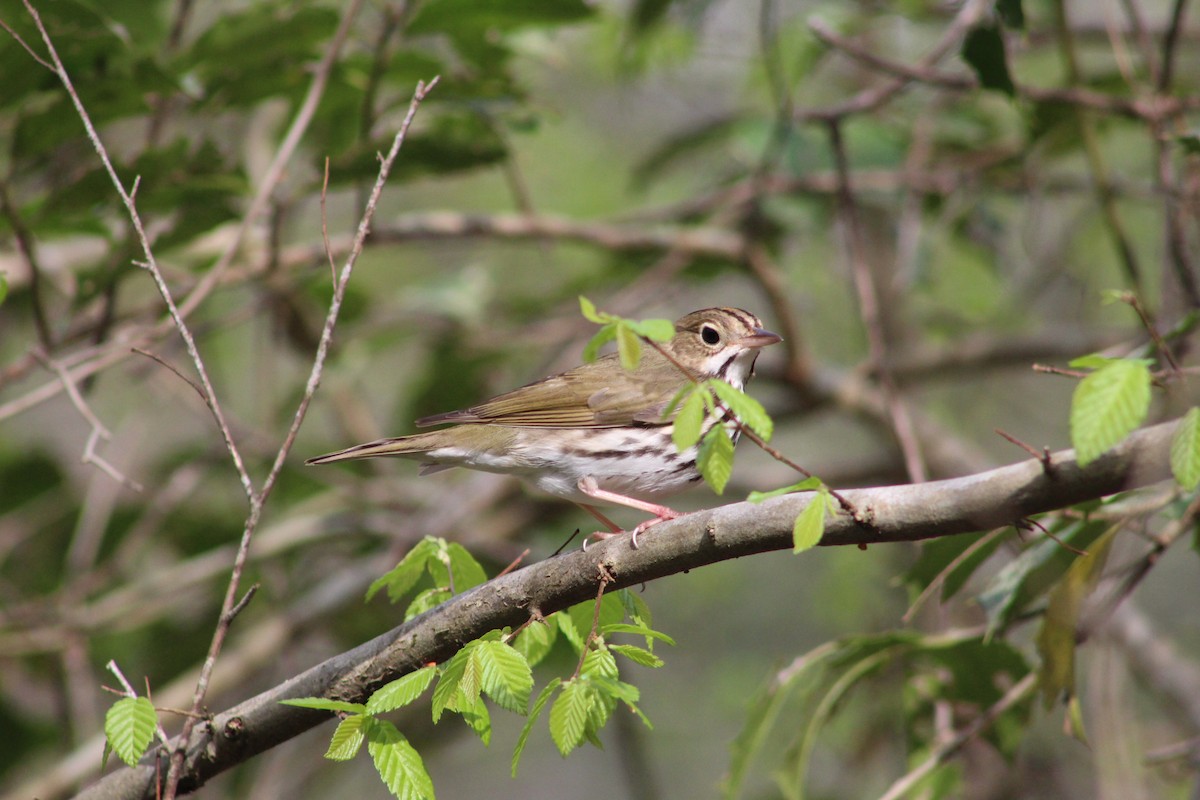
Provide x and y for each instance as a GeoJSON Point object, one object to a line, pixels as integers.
{"type": "Point", "coordinates": [598, 433]}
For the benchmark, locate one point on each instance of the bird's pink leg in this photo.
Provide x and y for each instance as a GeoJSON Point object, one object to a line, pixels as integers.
{"type": "Point", "coordinates": [589, 487]}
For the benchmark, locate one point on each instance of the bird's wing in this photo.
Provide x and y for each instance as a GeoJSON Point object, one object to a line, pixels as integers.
{"type": "Point", "coordinates": [584, 397]}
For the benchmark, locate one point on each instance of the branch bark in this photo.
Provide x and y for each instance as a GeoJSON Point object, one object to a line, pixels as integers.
{"type": "Point", "coordinates": [898, 513]}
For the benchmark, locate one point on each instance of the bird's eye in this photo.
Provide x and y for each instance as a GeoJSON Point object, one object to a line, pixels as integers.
{"type": "Point", "coordinates": [710, 335]}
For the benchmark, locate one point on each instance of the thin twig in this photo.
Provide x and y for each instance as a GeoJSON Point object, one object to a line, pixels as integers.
{"type": "Point", "coordinates": [944, 751]}
{"type": "Point", "coordinates": [314, 379]}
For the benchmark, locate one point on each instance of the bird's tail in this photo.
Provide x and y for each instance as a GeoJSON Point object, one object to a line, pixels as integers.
{"type": "Point", "coordinates": [415, 446]}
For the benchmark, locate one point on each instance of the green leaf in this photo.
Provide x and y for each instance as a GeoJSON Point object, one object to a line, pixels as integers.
{"type": "Point", "coordinates": [637, 655]}
{"type": "Point", "coordinates": [425, 600]}
{"type": "Point", "coordinates": [1056, 638]}
{"type": "Point", "coordinates": [1185, 450]}
{"type": "Point", "coordinates": [569, 716]}
{"type": "Point", "coordinates": [715, 459]}
{"type": "Point", "coordinates": [603, 336]}
{"type": "Point", "coordinates": [745, 408]}
{"type": "Point", "coordinates": [689, 422]}
{"type": "Point", "coordinates": [588, 309]}
{"type": "Point", "coordinates": [542, 698]}
{"type": "Point", "coordinates": [400, 579]}
{"type": "Point", "coordinates": [399, 764]}
{"type": "Point", "coordinates": [806, 485]}
{"type": "Point", "coordinates": [129, 726]}
{"type": "Point", "coordinates": [637, 630]}
{"type": "Point", "coordinates": [658, 330]}
{"type": "Point", "coordinates": [810, 524]}
{"type": "Point", "coordinates": [983, 50]}
{"type": "Point", "coordinates": [600, 662]}
{"type": "Point", "coordinates": [401, 691]}
{"type": "Point", "coordinates": [3, 287]}
{"type": "Point", "coordinates": [465, 570]}
{"type": "Point", "coordinates": [629, 347]}
{"type": "Point", "coordinates": [325, 704]}
{"type": "Point", "coordinates": [449, 682]}
{"type": "Point", "coordinates": [1107, 406]}
{"type": "Point", "coordinates": [535, 641]}
{"type": "Point", "coordinates": [505, 676]}
{"type": "Point", "coordinates": [612, 611]}
{"type": "Point", "coordinates": [347, 738]}
{"type": "Point", "coordinates": [1190, 143]}
{"type": "Point", "coordinates": [937, 555]}
{"type": "Point", "coordinates": [1027, 577]}
{"type": "Point", "coordinates": [479, 720]}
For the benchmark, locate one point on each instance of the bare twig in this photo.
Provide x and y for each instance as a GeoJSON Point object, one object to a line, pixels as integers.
{"type": "Point", "coordinates": [314, 379]}
{"type": "Point", "coordinates": [1020, 691]}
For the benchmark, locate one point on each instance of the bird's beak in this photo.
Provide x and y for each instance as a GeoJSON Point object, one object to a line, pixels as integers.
{"type": "Point", "coordinates": [760, 338]}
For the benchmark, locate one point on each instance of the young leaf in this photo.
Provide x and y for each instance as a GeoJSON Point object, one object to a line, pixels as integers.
{"type": "Point", "coordinates": [810, 524]}
{"type": "Point", "coordinates": [401, 691]}
{"type": "Point", "coordinates": [449, 682]}
{"type": "Point", "coordinates": [745, 408]}
{"type": "Point", "coordinates": [399, 764]}
{"type": "Point", "coordinates": [569, 716]}
{"type": "Point", "coordinates": [129, 727]}
{"type": "Point", "coordinates": [479, 720]}
{"type": "Point", "coordinates": [602, 337]}
{"type": "Point", "coordinates": [658, 330]}
{"type": "Point", "coordinates": [347, 738]}
{"type": "Point", "coordinates": [629, 347]}
{"type": "Point", "coordinates": [535, 641]}
{"type": "Point", "coordinates": [588, 309]}
{"type": "Point", "coordinates": [637, 630]}
{"type": "Point", "coordinates": [325, 704]}
{"type": "Point", "coordinates": [464, 569]}
{"type": "Point", "coordinates": [637, 655]}
{"type": "Point", "coordinates": [715, 459]}
{"type": "Point", "coordinates": [400, 579]}
{"type": "Point", "coordinates": [505, 676]}
{"type": "Point", "coordinates": [542, 698]}
{"type": "Point", "coordinates": [689, 422]}
{"type": "Point", "coordinates": [1107, 406]}
{"type": "Point", "coordinates": [1185, 450]}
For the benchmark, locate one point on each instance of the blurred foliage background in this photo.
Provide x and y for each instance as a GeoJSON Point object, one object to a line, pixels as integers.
{"type": "Point", "coordinates": [924, 198]}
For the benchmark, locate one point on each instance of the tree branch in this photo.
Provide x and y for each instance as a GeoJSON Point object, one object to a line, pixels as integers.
{"type": "Point", "coordinates": [899, 513]}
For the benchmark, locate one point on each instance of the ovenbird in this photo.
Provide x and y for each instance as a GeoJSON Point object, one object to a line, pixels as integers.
{"type": "Point", "coordinates": [596, 433]}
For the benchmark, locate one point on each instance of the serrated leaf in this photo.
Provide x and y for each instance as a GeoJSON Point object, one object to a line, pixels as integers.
{"type": "Point", "coordinates": [1185, 450]}
{"type": "Point", "coordinates": [347, 738]}
{"type": "Point", "coordinates": [629, 347]}
{"type": "Point", "coordinates": [603, 336]}
{"type": "Point", "coordinates": [479, 720]}
{"type": "Point", "coordinates": [401, 691]}
{"type": "Point", "coordinates": [748, 410]}
{"type": "Point", "coordinates": [600, 662]}
{"type": "Point", "coordinates": [1056, 637]}
{"type": "Point", "coordinates": [505, 676]}
{"type": "Point", "coordinates": [715, 459]}
{"type": "Point", "coordinates": [425, 600]}
{"type": "Point", "coordinates": [569, 716]}
{"type": "Point", "coordinates": [637, 655]}
{"type": "Point", "coordinates": [1107, 406]}
{"type": "Point", "coordinates": [400, 579]}
{"type": "Point", "coordinates": [810, 524]}
{"type": "Point", "coordinates": [658, 330]}
{"type": "Point", "coordinates": [636, 609]}
{"type": "Point", "coordinates": [689, 422]}
{"type": "Point", "coordinates": [637, 630]}
{"type": "Point", "coordinates": [566, 625]}
{"type": "Point", "coordinates": [129, 726]}
{"type": "Point", "coordinates": [465, 570]}
{"type": "Point", "coordinates": [612, 611]}
{"type": "Point", "coordinates": [535, 641]}
{"type": "Point", "coordinates": [325, 704]}
{"type": "Point", "coordinates": [806, 485]}
{"type": "Point", "coordinates": [398, 763]}
{"type": "Point", "coordinates": [534, 713]}
{"type": "Point", "coordinates": [449, 682]}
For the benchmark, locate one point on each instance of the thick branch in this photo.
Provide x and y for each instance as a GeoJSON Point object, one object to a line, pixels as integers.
{"type": "Point", "coordinates": [898, 513]}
